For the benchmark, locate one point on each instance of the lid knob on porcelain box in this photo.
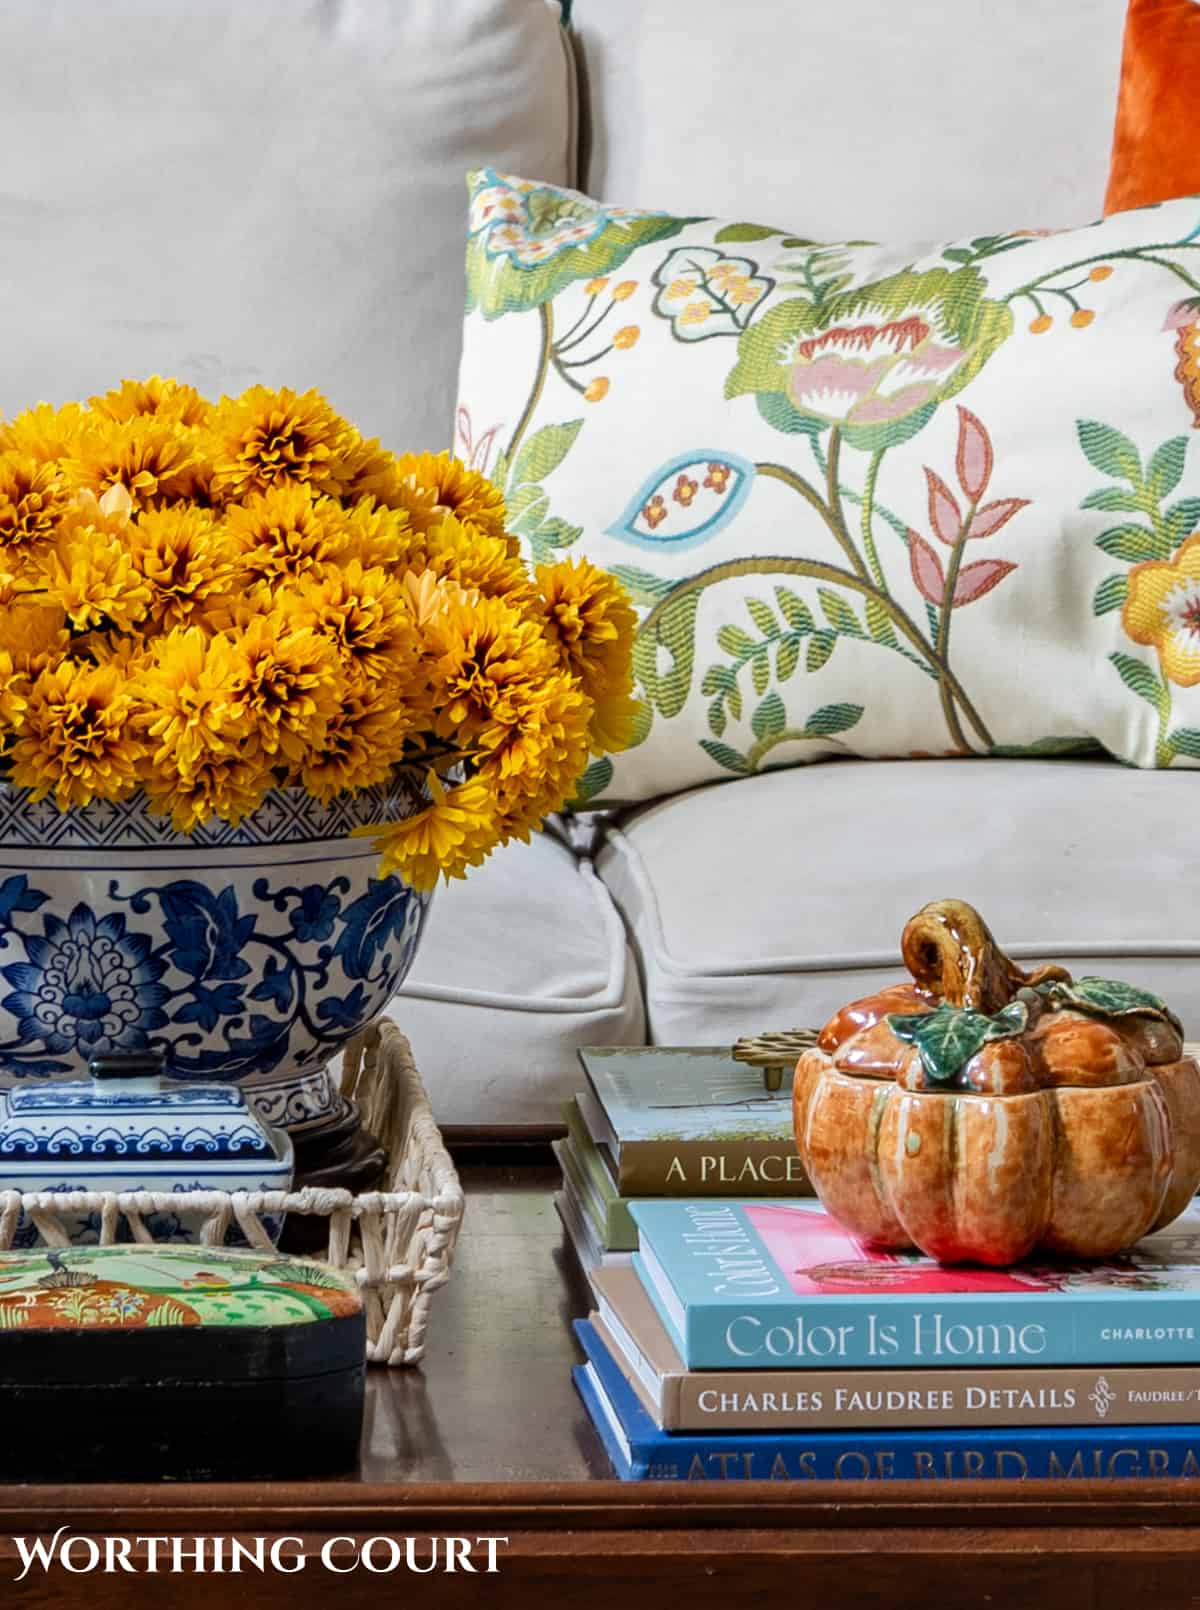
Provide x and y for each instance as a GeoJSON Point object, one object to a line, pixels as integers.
{"type": "Point", "coordinates": [127, 1065]}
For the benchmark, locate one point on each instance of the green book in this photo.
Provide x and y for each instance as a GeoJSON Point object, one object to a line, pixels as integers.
{"type": "Point", "coordinates": [594, 1185]}
{"type": "Point", "coordinates": [689, 1121]}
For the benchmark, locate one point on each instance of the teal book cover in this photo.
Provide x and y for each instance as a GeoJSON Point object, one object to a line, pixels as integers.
{"type": "Point", "coordinates": [769, 1284]}
{"type": "Point", "coordinates": [690, 1121]}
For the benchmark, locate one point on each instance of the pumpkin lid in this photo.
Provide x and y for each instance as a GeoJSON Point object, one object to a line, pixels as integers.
{"type": "Point", "coordinates": [972, 1020]}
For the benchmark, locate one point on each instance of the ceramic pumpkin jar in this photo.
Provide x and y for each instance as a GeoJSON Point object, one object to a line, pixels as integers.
{"type": "Point", "coordinates": [979, 1111]}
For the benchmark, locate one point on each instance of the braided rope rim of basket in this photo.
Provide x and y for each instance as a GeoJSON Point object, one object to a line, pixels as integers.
{"type": "Point", "coordinates": [399, 1244]}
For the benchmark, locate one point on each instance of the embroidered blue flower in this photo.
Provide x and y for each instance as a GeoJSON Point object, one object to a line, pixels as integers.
{"type": "Point", "coordinates": [88, 986]}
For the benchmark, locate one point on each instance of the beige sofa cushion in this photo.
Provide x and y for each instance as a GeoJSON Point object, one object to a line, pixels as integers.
{"type": "Point", "coordinates": [242, 191]}
{"type": "Point", "coordinates": [867, 117]}
{"type": "Point", "coordinates": [769, 904]}
{"type": "Point", "coordinates": [518, 967]}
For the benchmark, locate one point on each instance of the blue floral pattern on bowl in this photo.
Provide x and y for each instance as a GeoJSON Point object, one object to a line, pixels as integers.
{"type": "Point", "coordinates": [248, 953]}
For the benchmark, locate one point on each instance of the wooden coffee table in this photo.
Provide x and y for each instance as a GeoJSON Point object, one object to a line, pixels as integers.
{"type": "Point", "coordinates": [489, 1439]}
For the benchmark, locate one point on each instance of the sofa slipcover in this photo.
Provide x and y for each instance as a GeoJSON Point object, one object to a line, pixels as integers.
{"type": "Point", "coordinates": [517, 968]}
{"type": "Point", "coordinates": [768, 903]}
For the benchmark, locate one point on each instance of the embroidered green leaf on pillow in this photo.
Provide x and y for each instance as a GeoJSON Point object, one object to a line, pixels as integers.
{"type": "Point", "coordinates": [805, 461]}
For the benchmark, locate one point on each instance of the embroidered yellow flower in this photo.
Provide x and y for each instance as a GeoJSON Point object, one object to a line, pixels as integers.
{"type": "Point", "coordinates": [272, 438]}
{"type": "Point", "coordinates": [1163, 609]}
{"type": "Point", "coordinates": [77, 737]}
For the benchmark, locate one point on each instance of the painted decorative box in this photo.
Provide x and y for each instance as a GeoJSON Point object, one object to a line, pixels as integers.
{"type": "Point", "coordinates": [126, 1128]}
{"type": "Point", "coordinates": [141, 1363]}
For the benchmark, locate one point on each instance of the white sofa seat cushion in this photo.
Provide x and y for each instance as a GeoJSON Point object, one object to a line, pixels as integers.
{"type": "Point", "coordinates": [518, 967]}
{"type": "Point", "coordinates": [769, 904]}
{"type": "Point", "coordinates": [261, 191]}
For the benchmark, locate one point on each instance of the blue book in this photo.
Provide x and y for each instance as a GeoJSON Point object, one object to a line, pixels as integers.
{"type": "Point", "coordinates": [763, 1284]}
{"type": "Point", "coordinates": [641, 1452]}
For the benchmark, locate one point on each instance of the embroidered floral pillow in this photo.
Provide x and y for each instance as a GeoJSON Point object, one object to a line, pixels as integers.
{"type": "Point", "coordinates": [867, 500]}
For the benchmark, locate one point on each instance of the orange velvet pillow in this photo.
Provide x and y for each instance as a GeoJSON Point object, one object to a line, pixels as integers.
{"type": "Point", "coordinates": [1156, 151]}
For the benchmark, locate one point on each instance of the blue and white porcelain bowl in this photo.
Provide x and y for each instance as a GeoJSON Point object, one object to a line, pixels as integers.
{"type": "Point", "coordinates": [128, 1129]}
{"type": "Point", "coordinates": [245, 954]}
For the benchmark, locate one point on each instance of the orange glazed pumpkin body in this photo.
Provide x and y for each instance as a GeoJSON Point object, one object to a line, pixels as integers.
{"type": "Point", "coordinates": [1031, 1112]}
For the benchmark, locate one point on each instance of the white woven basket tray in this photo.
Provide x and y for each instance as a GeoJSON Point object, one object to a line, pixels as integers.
{"type": "Point", "coordinates": [399, 1241]}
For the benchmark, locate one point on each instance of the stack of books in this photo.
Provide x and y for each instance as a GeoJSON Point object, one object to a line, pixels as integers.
{"type": "Point", "coordinates": [758, 1339]}
{"type": "Point", "coordinates": [667, 1121]}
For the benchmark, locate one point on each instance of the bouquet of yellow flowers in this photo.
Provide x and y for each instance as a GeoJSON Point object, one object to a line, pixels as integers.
{"type": "Point", "coordinates": [206, 601]}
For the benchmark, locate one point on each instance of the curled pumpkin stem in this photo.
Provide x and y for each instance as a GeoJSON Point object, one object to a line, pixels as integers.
{"type": "Point", "coordinates": [952, 955]}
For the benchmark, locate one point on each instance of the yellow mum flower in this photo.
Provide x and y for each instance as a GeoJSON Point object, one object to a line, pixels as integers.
{"type": "Point", "coordinates": [90, 572]}
{"type": "Point", "coordinates": [477, 562]}
{"type": "Point", "coordinates": [287, 683]}
{"type": "Point", "coordinates": [76, 740]}
{"type": "Point", "coordinates": [375, 534]}
{"type": "Point", "coordinates": [13, 689]}
{"type": "Point", "coordinates": [1163, 609]}
{"type": "Point", "coordinates": [362, 742]}
{"type": "Point", "coordinates": [229, 788]}
{"type": "Point", "coordinates": [285, 533]}
{"type": "Point", "coordinates": [591, 621]}
{"type": "Point", "coordinates": [455, 831]}
{"type": "Point", "coordinates": [154, 458]}
{"type": "Point", "coordinates": [34, 632]}
{"type": "Point", "coordinates": [133, 398]}
{"type": "Point", "coordinates": [273, 438]}
{"type": "Point", "coordinates": [187, 691]}
{"type": "Point", "coordinates": [370, 470]}
{"type": "Point", "coordinates": [484, 659]}
{"type": "Point", "coordinates": [33, 498]}
{"type": "Point", "coordinates": [432, 485]}
{"type": "Point", "coordinates": [365, 614]}
{"type": "Point", "coordinates": [44, 433]}
{"type": "Point", "coordinates": [186, 560]}
{"type": "Point", "coordinates": [538, 761]}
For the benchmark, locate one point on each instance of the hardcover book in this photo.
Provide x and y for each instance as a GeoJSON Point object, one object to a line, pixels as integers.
{"type": "Point", "coordinates": [689, 1121]}
{"type": "Point", "coordinates": [641, 1452]}
{"type": "Point", "coordinates": [595, 1183]}
{"type": "Point", "coordinates": [782, 1285]}
{"type": "Point", "coordinates": [679, 1399]}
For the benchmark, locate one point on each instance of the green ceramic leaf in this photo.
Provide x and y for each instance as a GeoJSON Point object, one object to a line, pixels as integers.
{"type": "Point", "coordinates": [1106, 996]}
{"type": "Point", "coordinates": [1108, 451]}
{"type": "Point", "coordinates": [1110, 594]}
{"type": "Point", "coordinates": [949, 1037]}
